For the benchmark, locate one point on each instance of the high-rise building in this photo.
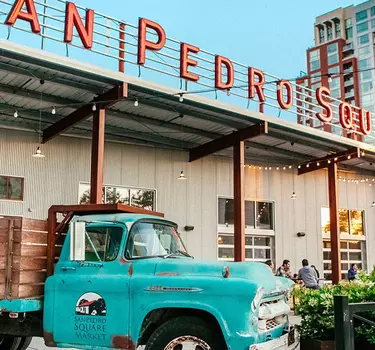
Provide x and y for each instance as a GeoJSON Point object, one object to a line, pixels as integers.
{"type": "Point", "coordinates": [343, 60]}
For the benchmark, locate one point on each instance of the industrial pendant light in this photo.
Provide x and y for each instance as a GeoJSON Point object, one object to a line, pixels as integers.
{"type": "Point", "coordinates": [373, 205]}
{"type": "Point", "coordinates": [182, 176]}
{"type": "Point", "coordinates": [294, 196]}
{"type": "Point", "coordinates": [38, 153]}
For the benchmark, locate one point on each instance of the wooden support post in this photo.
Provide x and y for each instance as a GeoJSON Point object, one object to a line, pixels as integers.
{"type": "Point", "coordinates": [239, 200]}
{"type": "Point", "coordinates": [334, 223]}
{"type": "Point", "coordinates": [51, 249]}
{"type": "Point", "coordinates": [97, 157]}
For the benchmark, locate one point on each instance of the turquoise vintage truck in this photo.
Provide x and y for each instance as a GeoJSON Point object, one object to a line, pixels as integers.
{"type": "Point", "coordinates": [124, 279]}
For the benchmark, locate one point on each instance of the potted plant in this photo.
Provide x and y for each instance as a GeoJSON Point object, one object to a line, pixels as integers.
{"type": "Point", "coordinates": [317, 314]}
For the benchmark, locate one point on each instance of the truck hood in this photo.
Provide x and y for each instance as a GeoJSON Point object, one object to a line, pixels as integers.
{"type": "Point", "coordinates": [257, 273]}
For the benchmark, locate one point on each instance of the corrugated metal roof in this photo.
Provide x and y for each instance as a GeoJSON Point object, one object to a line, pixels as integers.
{"type": "Point", "coordinates": [30, 84]}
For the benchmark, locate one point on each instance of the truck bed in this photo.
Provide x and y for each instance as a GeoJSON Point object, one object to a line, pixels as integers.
{"type": "Point", "coordinates": [23, 257]}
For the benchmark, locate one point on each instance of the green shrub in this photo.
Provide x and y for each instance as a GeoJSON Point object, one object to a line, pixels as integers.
{"type": "Point", "coordinates": [316, 308]}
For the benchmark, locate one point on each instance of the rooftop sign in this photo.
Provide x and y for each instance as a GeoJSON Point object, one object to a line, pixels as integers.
{"type": "Point", "coordinates": [139, 45]}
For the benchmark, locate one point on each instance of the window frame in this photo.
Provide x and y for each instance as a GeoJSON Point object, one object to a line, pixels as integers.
{"type": "Point", "coordinates": [8, 177]}
{"type": "Point", "coordinates": [251, 230]}
{"type": "Point", "coordinates": [130, 188]}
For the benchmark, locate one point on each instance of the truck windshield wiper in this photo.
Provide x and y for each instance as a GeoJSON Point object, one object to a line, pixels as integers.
{"type": "Point", "coordinates": [177, 253]}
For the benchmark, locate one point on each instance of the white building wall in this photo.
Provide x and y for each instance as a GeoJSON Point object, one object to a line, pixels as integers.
{"type": "Point", "coordinates": [55, 180]}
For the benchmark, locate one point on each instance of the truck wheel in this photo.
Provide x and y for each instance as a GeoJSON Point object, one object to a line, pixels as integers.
{"type": "Point", "coordinates": [184, 333]}
{"type": "Point", "coordinates": [25, 343]}
{"type": "Point", "coordinates": [10, 343]}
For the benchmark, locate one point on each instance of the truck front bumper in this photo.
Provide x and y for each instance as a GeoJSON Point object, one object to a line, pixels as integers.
{"type": "Point", "coordinates": [285, 342]}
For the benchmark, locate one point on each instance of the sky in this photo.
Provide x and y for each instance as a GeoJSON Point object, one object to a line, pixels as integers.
{"type": "Point", "coordinates": [272, 35]}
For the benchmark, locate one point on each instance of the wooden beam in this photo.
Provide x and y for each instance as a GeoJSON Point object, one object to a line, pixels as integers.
{"type": "Point", "coordinates": [97, 157]}
{"type": "Point", "coordinates": [239, 200]}
{"type": "Point", "coordinates": [104, 101]}
{"type": "Point", "coordinates": [324, 162]}
{"type": "Point", "coordinates": [334, 223]}
{"type": "Point", "coordinates": [228, 141]}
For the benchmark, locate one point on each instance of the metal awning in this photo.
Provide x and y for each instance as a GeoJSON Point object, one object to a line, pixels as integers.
{"type": "Point", "coordinates": [32, 81]}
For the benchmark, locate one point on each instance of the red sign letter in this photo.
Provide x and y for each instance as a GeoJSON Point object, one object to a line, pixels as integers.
{"type": "Point", "coordinates": [320, 94]}
{"type": "Point", "coordinates": [257, 85]}
{"type": "Point", "coordinates": [29, 16]}
{"type": "Point", "coordinates": [289, 94]}
{"type": "Point", "coordinates": [365, 126]}
{"type": "Point", "coordinates": [144, 44]}
{"type": "Point", "coordinates": [346, 115]}
{"type": "Point", "coordinates": [185, 62]}
{"type": "Point", "coordinates": [72, 17]}
{"type": "Point", "coordinates": [219, 62]}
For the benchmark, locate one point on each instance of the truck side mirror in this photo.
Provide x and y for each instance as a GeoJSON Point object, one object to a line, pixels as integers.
{"type": "Point", "coordinates": [77, 241]}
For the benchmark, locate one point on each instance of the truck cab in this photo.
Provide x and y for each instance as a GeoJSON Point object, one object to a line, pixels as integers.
{"type": "Point", "coordinates": [125, 280]}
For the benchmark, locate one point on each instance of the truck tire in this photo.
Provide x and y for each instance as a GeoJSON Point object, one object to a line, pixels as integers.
{"type": "Point", "coordinates": [10, 343]}
{"type": "Point", "coordinates": [25, 343]}
{"type": "Point", "coordinates": [184, 333]}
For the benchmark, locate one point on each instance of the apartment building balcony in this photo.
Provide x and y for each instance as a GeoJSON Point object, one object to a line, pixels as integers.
{"type": "Point", "coordinates": [349, 82]}
{"type": "Point", "coordinates": [348, 47]}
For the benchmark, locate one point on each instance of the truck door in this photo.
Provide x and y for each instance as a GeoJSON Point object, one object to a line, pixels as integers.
{"type": "Point", "coordinates": [92, 297]}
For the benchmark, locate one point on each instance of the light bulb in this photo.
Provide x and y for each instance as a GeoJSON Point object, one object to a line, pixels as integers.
{"type": "Point", "coordinates": [294, 196]}
{"type": "Point", "coordinates": [284, 168]}
{"type": "Point", "coordinates": [181, 99]}
{"type": "Point", "coordinates": [94, 107]}
{"type": "Point", "coordinates": [373, 205]}
{"type": "Point", "coordinates": [363, 154]}
{"type": "Point", "coordinates": [299, 167]}
{"type": "Point", "coordinates": [15, 114]}
{"type": "Point", "coordinates": [318, 164]}
{"type": "Point", "coordinates": [53, 110]}
{"type": "Point", "coordinates": [182, 176]}
{"type": "Point", "coordinates": [329, 161]}
{"type": "Point", "coordinates": [307, 165]}
{"type": "Point", "coordinates": [38, 153]}
{"type": "Point", "coordinates": [329, 78]}
{"type": "Point", "coordinates": [290, 167]}
{"type": "Point", "coordinates": [228, 92]}
{"type": "Point", "coordinates": [136, 103]}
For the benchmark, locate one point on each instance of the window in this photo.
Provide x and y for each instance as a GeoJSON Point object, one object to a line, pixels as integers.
{"type": "Point", "coordinates": [259, 231]}
{"type": "Point", "coordinates": [321, 35]}
{"type": "Point", "coordinates": [364, 51]}
{"type": "Point", "coordinates": [333, 59]}
{"type": "Point", "coordinates": [350, 221]}
{"type": "Point", "coordinates": [329, 32]}
{"type": "Point", "coordinates": [335, 84]}
{"type": "Point", "coordinates": [336, 93]}
{"type": "Point", "coordinates": [373, 11]}
{"type": "Point", "coordinates": [332, 48]}
{"type": "Point", "coordinates": [315, 78]}
{"type": "Point", "coordinates": [149, 239]}
{"type": "Point", "coordinates": [352, 252]}
{"type": "Point", "coordinates": [11, 188]}
{"type": "Point", "coordinates": [366, 75]}
{"type": "Point", "coordinates": [264, 214]}
{"type": "Point", "coordinates": [349, 33]}
{"type": "Point", "coordinates": [257, 248]}
{"type": "Point", "coordinates": [337, 29]}
{"type": "Point", "coordinates": [103, 243]}
{"type": "Point", "coordinates": [360, 16]}
{"type": "Point", "coordinates": [334, 70]}
{"type": "Point", "coordinates": [314, 60]}
{"type": "Point", "coordinates": [367, 100]}
{"type": "Point", "coordinates": [362, 27]}
{"type": "Point", "coordinates": [363, 64]}
{"type": "Point", "coordinates": [366, 87]}
{"type": "Point", "coordinates": [363, 39]}
{"type": "Point", "coordinates": [373, 23]}
{"type": "Point", "coordinates": [141, 198]}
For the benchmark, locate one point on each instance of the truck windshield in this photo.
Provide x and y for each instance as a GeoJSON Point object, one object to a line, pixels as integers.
{"type": "Point", "coordinates": [148, 240]}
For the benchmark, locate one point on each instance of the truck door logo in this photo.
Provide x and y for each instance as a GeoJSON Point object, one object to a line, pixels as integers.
{"type": "Point", "coordinates": [91, 304]}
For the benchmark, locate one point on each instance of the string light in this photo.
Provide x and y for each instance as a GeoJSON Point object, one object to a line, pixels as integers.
{"type": "Point", "coordinates": [335, 159]}
{"type": "Point", "coordinates": [363, 153]}
{"type": "Point", "coordinates": [228, 92]}
{"type": "Point", "coordinates": [94, 107]}
{"type": "Point", "coordinates": [136, 103]}
{"type": "Point", "coordinates": [318, 164]}
{"type": "Point", "coordinates": [349, 156]}
{"type": "Point", "coordinates": [329, 78]}
{"type": "Point", "coordinates": [181, 98]}
{"type": "Point", "coordinates": [53, 110]}
{"type": "Point", "coordinates": [15, 115]}
{"type": "Point", "coordinates": [329, 161]}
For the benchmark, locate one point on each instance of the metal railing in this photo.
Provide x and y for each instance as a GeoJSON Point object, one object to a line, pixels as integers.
{"type": "Point", "coordinates": [345, 313]}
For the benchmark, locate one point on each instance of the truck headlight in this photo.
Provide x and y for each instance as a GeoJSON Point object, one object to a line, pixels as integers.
{"type": "Point", "coordinates": [257, 299]}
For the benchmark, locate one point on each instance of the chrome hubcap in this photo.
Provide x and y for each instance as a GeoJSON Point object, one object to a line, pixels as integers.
{"type": "Point", "coordinates": [187, 342]}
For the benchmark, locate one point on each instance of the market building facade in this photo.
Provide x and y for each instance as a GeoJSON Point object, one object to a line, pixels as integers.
{"type": "Point", "coordinates": [154, 134]}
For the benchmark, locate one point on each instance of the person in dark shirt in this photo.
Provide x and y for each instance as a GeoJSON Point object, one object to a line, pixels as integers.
{"type": "Point", "coordinates": [352, 273]}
